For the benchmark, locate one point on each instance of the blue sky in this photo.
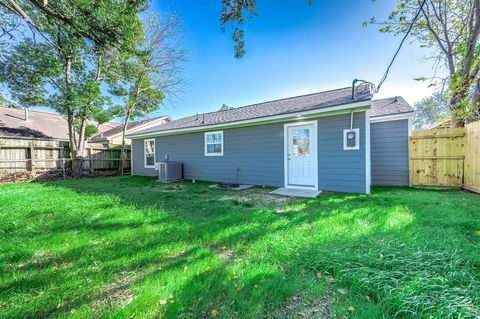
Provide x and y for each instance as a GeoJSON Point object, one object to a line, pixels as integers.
{"type": "Point", "coordinates": [292, 48]}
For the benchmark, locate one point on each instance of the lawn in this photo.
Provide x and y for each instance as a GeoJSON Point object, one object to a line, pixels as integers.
{"type": "Point", "coordinates": [127, 247]}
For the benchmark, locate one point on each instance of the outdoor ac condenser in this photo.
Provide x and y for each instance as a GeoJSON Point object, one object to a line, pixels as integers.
{"type": "Point", "coordinates": [169, 171]}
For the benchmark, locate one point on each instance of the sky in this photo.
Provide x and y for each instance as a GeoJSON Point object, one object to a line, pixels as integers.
{"type": "Point", "coordinates": [293, 48]}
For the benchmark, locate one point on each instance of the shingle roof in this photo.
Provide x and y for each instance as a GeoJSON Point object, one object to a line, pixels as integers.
{"type": "Point", "coordinates": [390, 106]}
{"type": "Point", "coordinates": [278, 107]}
{"type": "Point", "coordinates": [39, 125]}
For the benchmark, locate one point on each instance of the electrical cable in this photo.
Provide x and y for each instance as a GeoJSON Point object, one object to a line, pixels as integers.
{"type": "Point", "coordinates": [400, 46]}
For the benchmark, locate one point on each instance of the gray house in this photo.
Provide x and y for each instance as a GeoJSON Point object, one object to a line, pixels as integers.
{"type": "Point", "coordinates": [338, 140]}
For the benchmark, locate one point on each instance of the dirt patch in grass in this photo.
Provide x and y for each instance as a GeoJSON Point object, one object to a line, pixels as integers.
{"type": "Point", "coordinates": [118, 293]}
{"type": "Point", "coordinates": [258, 199]}
{"type": "Point", "coordinates": [304, 307]}
{"type": "Point", "coordinates": [169, 188]}
{"type": "Point", "coordinates": [222, 252]}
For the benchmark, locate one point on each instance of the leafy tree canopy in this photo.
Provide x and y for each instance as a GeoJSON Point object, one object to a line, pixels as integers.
{"type": "Point", "coordinates": [430, 110]}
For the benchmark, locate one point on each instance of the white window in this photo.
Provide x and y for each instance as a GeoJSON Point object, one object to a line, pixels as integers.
{"type": "Point", "coordinates": [214, 143]}
{"type": "Point", "coordinates": [351, 139]}
{"type": "Point", "coordinates": [149, 147]}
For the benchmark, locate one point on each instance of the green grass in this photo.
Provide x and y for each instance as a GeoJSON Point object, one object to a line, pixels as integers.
{"type": "Point", "coordinates": [127, 247]}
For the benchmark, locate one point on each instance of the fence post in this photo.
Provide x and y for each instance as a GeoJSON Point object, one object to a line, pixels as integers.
{"type": "Point", "coordinates": [32, 160]}
{"type": "Point", "coordinates": [91, 160]}
{"type": "Point", "coordinates": [63, 167]}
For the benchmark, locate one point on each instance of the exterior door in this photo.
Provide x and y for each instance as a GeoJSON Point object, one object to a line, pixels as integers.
{"type": "Point", "coordinates": [301, 156]}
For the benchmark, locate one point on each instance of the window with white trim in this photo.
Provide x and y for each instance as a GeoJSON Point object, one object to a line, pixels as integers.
{"type": "Point", "coordinates": [149, 152]}
{"type": "Point", "coordinates": [351, 139]}
{"type": "Point", "coordinates": [214, 143]}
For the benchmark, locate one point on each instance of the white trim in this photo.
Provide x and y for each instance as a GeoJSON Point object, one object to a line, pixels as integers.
{"type": "Point", "coordinates": [368, 157]}
{"type": "Point", "coordinates": [393, 117]}
{"type": "Point", "coordinates": [357, 139]}
{"type": "Point", "coordinates": [283, 117]}
{"type": "Point", "coordinates": [409, 123]}
{"type": "Point", "coordinates": [314, 152]}
{"type": "Point", "coordinates": [131, 159]}
{"type": "Point", "coordinates": [205, 143]}
{"type": "Point", "coordinates": [145, 153]}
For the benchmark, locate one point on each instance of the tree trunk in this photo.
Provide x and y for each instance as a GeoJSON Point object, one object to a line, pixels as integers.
{"type": "Point", "coordinates": [124, 131]}
{"type": "Point", "coordinates": [76, 162]}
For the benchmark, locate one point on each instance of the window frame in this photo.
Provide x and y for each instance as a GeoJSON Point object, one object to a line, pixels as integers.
{"type": "Point", "coordinates": [206, 143]}
{"type": "Point", "coordinates": [357, 140]}
{"type": "Point", "coordinates": [145, 152]}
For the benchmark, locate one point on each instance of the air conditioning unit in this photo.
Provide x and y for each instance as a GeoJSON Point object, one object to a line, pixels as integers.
{"type": "Point", "coordinates": [169, 171]}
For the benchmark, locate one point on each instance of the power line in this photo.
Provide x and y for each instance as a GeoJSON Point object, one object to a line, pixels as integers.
{"type": "Point", "coordinates": [400, 46]}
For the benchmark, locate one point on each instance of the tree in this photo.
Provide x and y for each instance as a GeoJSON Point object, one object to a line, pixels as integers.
{"type": "Point", "coordinates": [430, 110]}
{"type": "Point", "coordinates": [151, 73]}
{"type": "Point", "coordinates": [234, 13]}
{"type": "Point", "coordinates": [106, 23]}
{"type": "Point", "coordinates": [452, 30]}
{"type": "Point", "coordinates": [38, 74]}
{"type": "Point", "coordinates": [65, 70]}
{"type": "Point", "coordinates": [225, 107]}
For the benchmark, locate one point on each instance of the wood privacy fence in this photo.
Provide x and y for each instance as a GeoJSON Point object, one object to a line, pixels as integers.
{"type": "Point", "coordinates": [446, 157]}
{"type": "Point", "coordinates": [45, 157]}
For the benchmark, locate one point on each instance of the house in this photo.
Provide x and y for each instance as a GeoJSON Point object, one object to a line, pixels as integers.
{"type": "Point", "coordinates": [39, 125]}
{"type": "Point", "coordinates": [337, 140]}
{"type": "Point", "coordinates": [114, 135]}
{"type": "Point", "coordinates": [34, 141]}
{"type": "Point", "coordinates": [27, 124]}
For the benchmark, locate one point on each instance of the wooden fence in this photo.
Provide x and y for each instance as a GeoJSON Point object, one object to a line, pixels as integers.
{"type": "Point", "coordinates": [446, 157]}
{"type": "Point", "coordinates": [38, 158]}
{"type": "Point", "coordinates": [472, 157]}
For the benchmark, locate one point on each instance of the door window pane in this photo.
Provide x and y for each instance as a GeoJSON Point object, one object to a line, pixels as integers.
{"type": "Point", "coordinates": [301, 142]}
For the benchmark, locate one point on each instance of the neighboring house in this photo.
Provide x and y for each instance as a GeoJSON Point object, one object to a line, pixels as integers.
{"type": "Point", "coordinates": [27, 135]}
{"type": "Point", "coordinates": [114, 136]}
{"type": "Point", "coordinates": [27, 124]}
{"type": "Point", "coordinates": [331, 141]}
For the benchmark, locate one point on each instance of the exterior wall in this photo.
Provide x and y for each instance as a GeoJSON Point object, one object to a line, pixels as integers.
{"type": "Point", "coordinates": [389, 145]}
{"type": "Point", "coordinates": [118, 140]}
{"type": "Point", "coordinates": [340, 170]}
{"type": "Point", "coordinates": [258, 151]}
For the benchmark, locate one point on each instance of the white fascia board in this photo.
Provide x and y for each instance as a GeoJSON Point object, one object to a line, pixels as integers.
{"type": "Point", "coordinates": [393, 117]}
{"type": "Point", "coordinates": [327, 111]}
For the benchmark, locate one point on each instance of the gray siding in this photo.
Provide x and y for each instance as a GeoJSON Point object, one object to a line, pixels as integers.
{"type": "Point", "coordinates": [340, 170]}
{"type": "Point", "coordinates": [138, 161]}
{"type": "Point", "coordinates": [258, 152]}
{"type": "Point", "coordinates": [389, 145]}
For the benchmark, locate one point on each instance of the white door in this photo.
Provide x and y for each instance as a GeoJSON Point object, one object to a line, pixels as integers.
{"type": "Point", "coordinates": [301, 155]}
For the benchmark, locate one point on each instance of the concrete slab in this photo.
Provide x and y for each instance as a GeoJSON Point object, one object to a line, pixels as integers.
{"type": "Point", "coordinates": [295, 192]}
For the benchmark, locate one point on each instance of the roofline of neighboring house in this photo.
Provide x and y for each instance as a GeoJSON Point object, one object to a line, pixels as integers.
{"type": "Point", "coordinates": [148, 124]}
{"type": "Point", "coordinates": [325, 111]}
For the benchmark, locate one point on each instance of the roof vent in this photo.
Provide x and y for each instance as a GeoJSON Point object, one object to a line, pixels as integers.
{"type": "Point", "coordinates": [26, 113]}
{"type": "Point", "coordinates": [395, 99]}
